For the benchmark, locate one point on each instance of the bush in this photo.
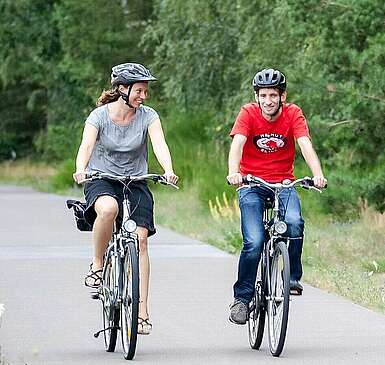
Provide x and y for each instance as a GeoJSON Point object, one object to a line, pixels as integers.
{"type": "Point", "coordinates": [58, 142]}
{"type": "Point", "coordinates": [63, 180]}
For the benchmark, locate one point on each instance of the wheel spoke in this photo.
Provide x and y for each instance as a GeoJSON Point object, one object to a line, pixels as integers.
{"type": "Point", "coordinates": [278, 301]}
{"type": "Point", "coordinates": [110, 314]}
{"type": "Point", "coordinates": [130, 301]}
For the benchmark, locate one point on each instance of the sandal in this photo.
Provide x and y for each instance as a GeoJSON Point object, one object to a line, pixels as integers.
{"type": "Point", "coordinates": [144, 326]}
{"type": "Point", "coordinates": [94, 278]}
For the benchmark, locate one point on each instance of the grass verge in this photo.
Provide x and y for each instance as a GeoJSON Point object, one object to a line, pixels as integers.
{"type": "Point", "coordinates": [346, 258]}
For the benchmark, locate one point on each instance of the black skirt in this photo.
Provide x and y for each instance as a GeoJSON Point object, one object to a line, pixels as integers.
{"type": "Point", "coordinates": [139, 195]}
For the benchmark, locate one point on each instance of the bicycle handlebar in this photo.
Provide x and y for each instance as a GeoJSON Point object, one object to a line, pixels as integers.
{"type": "Point", "coordinates": [305, 182]}
{"type": "Point", "coordinates": [104, 175]}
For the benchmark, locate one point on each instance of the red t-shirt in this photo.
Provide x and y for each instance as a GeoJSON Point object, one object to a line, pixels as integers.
{"type": "Point", "coordinates": [269, 150]}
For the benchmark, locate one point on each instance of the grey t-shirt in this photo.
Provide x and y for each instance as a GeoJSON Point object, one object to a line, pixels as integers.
{"type": "Point", "coordinates": [120, 149]}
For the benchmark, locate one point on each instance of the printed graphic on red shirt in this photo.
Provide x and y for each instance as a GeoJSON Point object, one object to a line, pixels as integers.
{"type": "Point", "coordinates": [269, 142]}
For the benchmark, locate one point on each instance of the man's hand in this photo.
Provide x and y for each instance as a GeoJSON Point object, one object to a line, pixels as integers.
{"type": "Point", "coordinates": [235, 179]}
{"type": "Point", "coordinates": [319, 182]}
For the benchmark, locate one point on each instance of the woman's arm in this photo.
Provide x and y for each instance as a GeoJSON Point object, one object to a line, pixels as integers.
{"type": "Point", "coordinates": [90, 134]}
{"type": "Point", "coordinates": [161, 150]}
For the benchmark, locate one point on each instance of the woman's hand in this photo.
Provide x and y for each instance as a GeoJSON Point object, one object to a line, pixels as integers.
{"type": "Point", "coordinates": [79, 176]}
{"type": "Point", "coordinates": [171, 177]}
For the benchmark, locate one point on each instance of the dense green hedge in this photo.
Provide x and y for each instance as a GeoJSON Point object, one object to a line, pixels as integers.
{"type": "Point", "coordinates": [56, 56]}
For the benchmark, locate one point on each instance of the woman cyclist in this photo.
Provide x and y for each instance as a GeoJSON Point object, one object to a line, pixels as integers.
{"type": "Point", "coordinates": [115, 141]}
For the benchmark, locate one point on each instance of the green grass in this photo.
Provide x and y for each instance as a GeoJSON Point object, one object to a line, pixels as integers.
{"type": "Point", "coordinates": [346, 258]}
{"type": "Point", "coordinates": [185, 213]}
{"type": "Point", "coordinates": [343, 258]}
{"type": "Point", "coordinates": [27, 172]}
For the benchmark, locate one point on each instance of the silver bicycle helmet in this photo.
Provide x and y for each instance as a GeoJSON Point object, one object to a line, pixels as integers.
{"type": "Point", "coordinates": [130, 73]}
{"type": "Point", "coordinates": [269, 78]}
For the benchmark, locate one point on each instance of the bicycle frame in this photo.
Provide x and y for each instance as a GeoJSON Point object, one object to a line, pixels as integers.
{"type": "Point", "coordinates": [118, 250]}
{"type": "Point", "coordinates": [119, 291]}
{"type": "Point", "coordinates": [272, 285]}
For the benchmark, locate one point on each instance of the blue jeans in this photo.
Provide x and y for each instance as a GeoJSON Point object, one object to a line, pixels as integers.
{"type": "Point", "coordinates": [252, 204]}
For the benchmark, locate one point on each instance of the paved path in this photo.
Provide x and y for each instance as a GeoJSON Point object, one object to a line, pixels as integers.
{"type": "Point", "coordinates": [49, 318]}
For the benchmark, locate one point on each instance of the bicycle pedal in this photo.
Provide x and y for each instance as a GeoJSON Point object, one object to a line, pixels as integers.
{"type": "Point", "coordinates": [296, 293]}
{"type": "Point", "coordinates": [95, 295]}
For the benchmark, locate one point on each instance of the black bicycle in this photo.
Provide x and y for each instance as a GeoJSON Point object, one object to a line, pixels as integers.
{"type": "Point", "coordinates": [272, 289]}
{"type": "Point", "coordinates": [119, 292]}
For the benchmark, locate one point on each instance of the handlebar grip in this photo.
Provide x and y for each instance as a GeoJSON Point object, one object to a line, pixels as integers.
{"type": "Point", "coordinates": [244, 180]}
{"type": "Point", "coordinates": [309, 183]}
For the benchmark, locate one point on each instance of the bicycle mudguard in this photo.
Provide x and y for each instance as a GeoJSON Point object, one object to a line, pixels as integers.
{"type": "Point", "coordinates": [79, 209]}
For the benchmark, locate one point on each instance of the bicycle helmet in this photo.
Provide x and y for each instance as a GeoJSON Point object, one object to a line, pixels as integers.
{"type": "Point", "coordinates": [269, 78]}
{"type": "Point", "coordinates": [130, 73]}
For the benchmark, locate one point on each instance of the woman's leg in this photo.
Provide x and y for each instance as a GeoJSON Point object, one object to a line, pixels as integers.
{"type": "Point", "coordinates": [106, 208]}
{"type": "Point", "coordinates": [145, 326]}
{"type": "Point", "coordinates": [144, 269]}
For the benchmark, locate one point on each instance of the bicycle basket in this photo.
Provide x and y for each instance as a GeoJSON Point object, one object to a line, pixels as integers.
{"type": "Point", "coordinates": [79, 209]}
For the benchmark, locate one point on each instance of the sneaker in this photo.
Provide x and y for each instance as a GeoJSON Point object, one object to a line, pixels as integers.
{"type": "Point", "coordinates": [295, 287]}
{"type": "Point", "coordinates": [238, 312]}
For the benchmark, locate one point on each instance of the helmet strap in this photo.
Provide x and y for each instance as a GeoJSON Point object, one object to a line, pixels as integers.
{"type": "Point", "coordinates": [126, 98]}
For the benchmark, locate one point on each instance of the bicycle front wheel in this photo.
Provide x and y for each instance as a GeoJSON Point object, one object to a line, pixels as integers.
{"type": "Point", "coordinates": [130, 301]}
{"type": "Point", "coordinates": [278, 298]}
{"type": "Point", "coordinates": [257, 314]}
{"type": "Point", "coordinates": [110, 311]}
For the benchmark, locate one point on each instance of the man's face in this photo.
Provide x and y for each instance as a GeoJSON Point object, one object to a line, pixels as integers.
{"type": "Point", "coordinates": [269, 100]}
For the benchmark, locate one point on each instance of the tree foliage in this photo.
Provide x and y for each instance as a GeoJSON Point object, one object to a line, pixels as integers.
{"type": "Point", "coordinates": [56, 56]}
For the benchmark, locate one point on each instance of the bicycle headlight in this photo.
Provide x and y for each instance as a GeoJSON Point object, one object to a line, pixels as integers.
{"type": "Point", "coordinates": [280, 227]}
{"type": "Point", "coordinates": [129, 225]}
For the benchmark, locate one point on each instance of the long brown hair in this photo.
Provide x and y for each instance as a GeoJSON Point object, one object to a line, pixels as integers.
{"type": "Point", "coordinates": [108, 96]}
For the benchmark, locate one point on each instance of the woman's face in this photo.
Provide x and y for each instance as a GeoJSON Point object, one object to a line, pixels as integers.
{"type": "Point", "coordinates": [138, 93]}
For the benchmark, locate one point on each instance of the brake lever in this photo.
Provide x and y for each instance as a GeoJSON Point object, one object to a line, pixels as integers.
{"type": "Point", "coordinates": [173, 185]}
{"type": "Point", "coordinates": [162, 180]}
{"type": "Point", "coordinates": [316, 189]}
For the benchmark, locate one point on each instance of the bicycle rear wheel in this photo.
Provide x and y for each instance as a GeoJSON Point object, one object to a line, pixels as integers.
{"type": "Point", "coordinates": [110, 311]}
{"type": "Point", "coordinates": [257, 314]}
{"type": "Point", "coordinates": [278, 299]}
{"type": "Point", "coordinates": [130, 301]}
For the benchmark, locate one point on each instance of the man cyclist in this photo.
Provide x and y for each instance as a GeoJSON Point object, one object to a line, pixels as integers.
{"type": "Point", "coordinates": [264, 136]}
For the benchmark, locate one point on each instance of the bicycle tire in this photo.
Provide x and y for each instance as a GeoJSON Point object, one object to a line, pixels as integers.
{"type": "Point", "coordinates": [278, 298]}
{"type": "Point", "coordinates": [130, 301]}
{"type": "Point", "coordinates": [110, 312]}
{"type": "Point", "coordinates": [257, 314]}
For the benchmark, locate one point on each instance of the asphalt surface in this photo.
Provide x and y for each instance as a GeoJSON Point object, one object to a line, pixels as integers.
{"type": "Point", "coordinates": [49, 317]}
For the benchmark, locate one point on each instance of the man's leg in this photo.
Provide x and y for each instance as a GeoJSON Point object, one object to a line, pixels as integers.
{"type": "Point", "coordinates": [251, 205]}
{"type": "Point", "coordinates": [291, 208]}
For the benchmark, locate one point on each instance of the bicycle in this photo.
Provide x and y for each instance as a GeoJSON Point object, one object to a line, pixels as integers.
{"type": "Point", "coordinates": [119, 292]}
{"type": "Point", "coordinates": [272, 289]}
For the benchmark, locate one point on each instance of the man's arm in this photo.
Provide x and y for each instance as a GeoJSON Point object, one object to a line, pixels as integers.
{"type": "Point", "coordinates": [312, 161]}
{"type": "Point", "coordinates": [234, 177]}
